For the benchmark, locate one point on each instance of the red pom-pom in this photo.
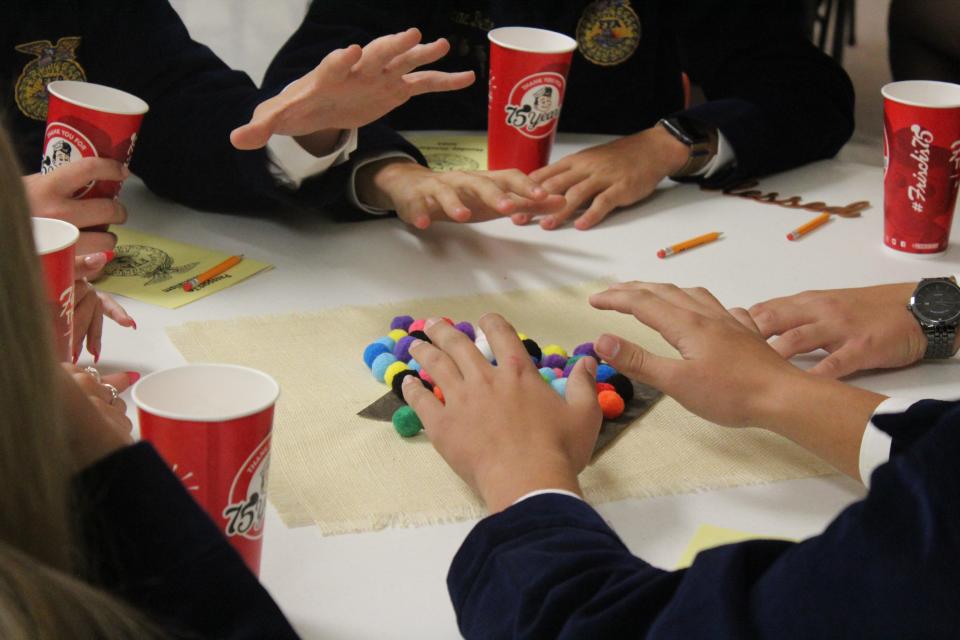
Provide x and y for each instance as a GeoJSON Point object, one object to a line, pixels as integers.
{"type": "Point", "coordinates": [611, 404]}
{"type": "Point", "coordinates": [605, 386]}
{"type": "Point", "coordinates": [426, 377]}
{"type": "Point", "coordinates": [417, 325]}
{"type": "Point", "coordinates": [439, 394]}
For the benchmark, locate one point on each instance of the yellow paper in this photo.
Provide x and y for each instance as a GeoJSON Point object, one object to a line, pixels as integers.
{"type": "Point", "coordinates": [446, 152]}
{"type": "Point", "coordinates": [709, 536]}
{"type": "Point", "coordinates": [153, 269]}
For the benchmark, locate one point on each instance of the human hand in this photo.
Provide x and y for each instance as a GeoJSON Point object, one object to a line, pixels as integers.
{"type": "Point", "coordinates": [863, 328]}
{"type": "Point", "coordinates": [350, 88]}
{"type": "Point", "coordinates": [502, 428]}
{"type": "Point", "coordinates": [89, 308]}
{"type": "Point", "coordinates": [728, 373]}
{"type": "Point", "coordinates": [89, 266]}
{"type": "Point", "coordinates": [50, 195]}
{"type": "Point", "coordinates": [616, 174]}
{"type": "Point", "coordinates": [98, 422]}
{"type": "Point", "coordinates": [420, 195]}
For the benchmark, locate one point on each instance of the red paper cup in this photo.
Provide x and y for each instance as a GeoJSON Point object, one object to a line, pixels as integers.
{"type": "Point", "coordinates": [211, 423]}
{"type": "Point", "coordinates": [90, 120]}
{"type": "Point", "coordinates": [528, 79]}
{"type": "Point", "coordinates": [56, 243]}
{"type": "Point", "coordinates": [921, 164]}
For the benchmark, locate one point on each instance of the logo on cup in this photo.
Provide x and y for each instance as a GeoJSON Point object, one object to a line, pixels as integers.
{"type": "Point", "coordinates": [534, 104]}
{"type": "Point", "coordinates": [66, 309]}
{"type": "Point", "coordinates": [920, 142]}
{"type": "Point", "coordinates": [247, 501]}
{"type": "Point", "coordinates": [65, 144]}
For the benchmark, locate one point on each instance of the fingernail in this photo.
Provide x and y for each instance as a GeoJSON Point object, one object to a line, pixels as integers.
{"type": "Point", "coordinates": [134, 323]}
{"type": "Point", "coordinates": [109, 254]}
{"type": "Point", "coordinates": [96, 356]}
{"type": "Point", "coordinates": [607, 346]}
{"type": "Point", "coordinates": [591, 366]}
{"type": "Point", "coordinates": [125, 172]}
{"type": "Point", "coordinates": [133, 376]}
{"type": "Point", "coordinates": [95, 260]}
{"type": "Point", "coordinates": [408, 380]}
{"type": "Point", "coordinates": [430, 322]}
{"type": "Point", "coordinates": [76, 356]}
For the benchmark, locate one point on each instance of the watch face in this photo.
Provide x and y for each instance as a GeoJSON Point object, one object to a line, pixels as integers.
{"type": "Point", "coordinates": [938, 302]}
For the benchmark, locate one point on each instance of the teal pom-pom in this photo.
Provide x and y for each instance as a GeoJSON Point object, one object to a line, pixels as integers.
{"type": "Point", "coordinates": [560, 386]}
{"type": "Point", "coordinates": [380, 364]}
{"type": "Point", "coordinates": [413, 365]}
{"type": "Point", "coordinates": [387, 341]}
{"type": "Point", "coordinates": [406, 422]}
{"type": "Point", "coordinates": [548, 374]}
{"type": "Point", "coordinates": [372, 351]}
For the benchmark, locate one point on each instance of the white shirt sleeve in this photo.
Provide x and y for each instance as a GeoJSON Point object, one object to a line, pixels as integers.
{"type": "Point", "coordinates": [725, 156]}
{"type": "Point", "coordinates": [352, 184]}
{"type": "Point", "coordinates": [875, 445]}
{"type": "Point", "coordinates": [291, 164]}
{"type": "Point", "coordinates": [540, 492]}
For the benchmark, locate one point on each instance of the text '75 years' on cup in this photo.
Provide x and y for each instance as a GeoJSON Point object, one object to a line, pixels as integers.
{"type": "Point", "coordinates": [528, 81]}
{"type": "Point", "coordinates": [921, 153]}
{"type": "Point", "coordinates": [211, 423]}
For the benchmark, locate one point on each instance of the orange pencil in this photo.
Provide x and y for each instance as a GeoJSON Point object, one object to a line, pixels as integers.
{"type": "Point", "coordinates": [804, 229]}
{"type": "Point", "coordinates": [689, 244]}
{"type": "Point", "coordinates": [211, 273]}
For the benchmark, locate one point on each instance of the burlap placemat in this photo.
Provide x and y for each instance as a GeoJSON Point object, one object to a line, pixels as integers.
{"type": "Point", "coordinates": [346, 473]}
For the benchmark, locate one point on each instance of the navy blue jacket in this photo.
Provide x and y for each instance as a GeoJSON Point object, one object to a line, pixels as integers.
{"type": "Point", "coordinates": [886, 567]}
{"type": "Point", "coordinates": [154, 547]}
{"type": "Point", "coordinates": [778, 100]}
{"type": "Point", "coordinates": [183, 151]}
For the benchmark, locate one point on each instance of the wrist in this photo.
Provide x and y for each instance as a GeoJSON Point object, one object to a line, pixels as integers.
{"type": "Point", "coordinates": [672, 153]}
{"type": "Point", "coordinates": [506, 480]}
{"type": "Point", "coordinates": [377, 182]}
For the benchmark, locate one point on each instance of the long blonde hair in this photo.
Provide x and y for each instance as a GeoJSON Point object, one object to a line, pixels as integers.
{"type": "Point", "coordinates": [41, 593]}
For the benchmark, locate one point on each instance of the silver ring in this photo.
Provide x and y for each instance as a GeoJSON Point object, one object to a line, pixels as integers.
{"type": "Point", "coordinates": [114, 394]}
{"type": "Point", "coordinates": [93, 372]}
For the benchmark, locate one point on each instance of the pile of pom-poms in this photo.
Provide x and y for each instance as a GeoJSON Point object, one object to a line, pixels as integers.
{"type": "Point", "coordinates": [389, 359]}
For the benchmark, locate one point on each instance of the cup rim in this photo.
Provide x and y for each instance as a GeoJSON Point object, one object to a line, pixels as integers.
{"type": "Point", "coordinates": [70, 239]}
{"type": "Point", "coordinates": [563, 44]}
{"type": "Point", "coordinates": [59, 87]}
{"type": "Point", "coordinates": [891, 90]}
{"type": "Point", "coordinates": [184, 417]}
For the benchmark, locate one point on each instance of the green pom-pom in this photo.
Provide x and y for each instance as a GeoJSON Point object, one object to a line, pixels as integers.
{"type": "Point", "coordinates": [406, 422]}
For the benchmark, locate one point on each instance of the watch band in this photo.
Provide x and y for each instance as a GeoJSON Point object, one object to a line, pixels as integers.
{"type": "Point", "coordinates": [702, 145]}
{"type": "Point", "coordinates": [939, 342]}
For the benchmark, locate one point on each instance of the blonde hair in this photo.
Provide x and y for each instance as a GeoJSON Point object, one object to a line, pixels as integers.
{"type": "Point", "coordinates": [40, 593]}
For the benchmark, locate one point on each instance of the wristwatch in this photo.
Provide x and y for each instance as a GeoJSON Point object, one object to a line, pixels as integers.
{"type": "Point", "coordinates": [935, 304]}
{"type": "Point", "coordinates": [700, 139]}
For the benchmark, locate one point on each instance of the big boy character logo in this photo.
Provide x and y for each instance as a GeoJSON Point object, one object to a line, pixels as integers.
{"type": "Point", "coordinates": [533, 107]}
{"type": "Point", "coordinates": [247, 501]}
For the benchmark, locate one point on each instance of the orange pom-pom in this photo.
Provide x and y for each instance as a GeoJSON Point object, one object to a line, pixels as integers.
{"type": "Point", "coordinates": [605, 386]}
{"type": "Point", "coordinates": [439, 394]}
{"type": "Point", "coordinates": [611, 404]}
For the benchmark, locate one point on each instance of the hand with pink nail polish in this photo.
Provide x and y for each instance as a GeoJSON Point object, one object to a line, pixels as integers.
{"type": "Point", "coordinates": [90, 306]}
{"type": "Point", "coordinates": [99, 420]}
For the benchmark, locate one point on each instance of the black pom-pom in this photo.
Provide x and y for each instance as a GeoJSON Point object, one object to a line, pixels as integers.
{"type": "Point", "coordinates": [397, 384]}
{"type": "Point", "coordinates": [623, 386]}
{"type": "Point", "coordinates": [421, 335]}
{"type": "Point", "coordinates": [533, 349]}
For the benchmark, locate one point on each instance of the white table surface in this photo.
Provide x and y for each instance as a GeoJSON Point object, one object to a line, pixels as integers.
{"type": "Point", "coordinates": [391, 583]}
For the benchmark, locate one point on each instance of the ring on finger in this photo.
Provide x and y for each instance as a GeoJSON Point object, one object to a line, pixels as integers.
{"type": "Point", "coordinates": [114, 394]}
{"type": "Point", "coordinates": [92, 371]}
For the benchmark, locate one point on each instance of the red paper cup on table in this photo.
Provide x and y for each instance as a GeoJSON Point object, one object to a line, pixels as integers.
{"type": "Point", "coordinates": [212, 423]}
{"type": "Point", "coordinates": [921, 153]}
{"type": "Point", "coordinates": [56, 243]}
{"type": "Point", "coordinates": [90, 120]}
{"type": "Point", "coordinates": [528, 80]}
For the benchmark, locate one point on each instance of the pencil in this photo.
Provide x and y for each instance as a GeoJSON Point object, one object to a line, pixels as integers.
{"type": "Point", "coordinates": [211, 273]}
{"type": "Point", "coordinates": [689, 244]}
{"type": "Point", "coordinates": [804, 229]}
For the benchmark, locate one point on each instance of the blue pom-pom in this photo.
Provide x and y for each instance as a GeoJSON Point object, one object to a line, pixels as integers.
{"type": "Point", "coordinates": [548, 374]}
{"type": "Point", "coordinates": [604, 371]}
{"type": "Point", "coordinates": [560, 386]}
{"type": "Point", "coordinates": [413, 365]}
{"type": "Point", "coordinates": [380, 364]}
{"type": "Point", "coordinates": [553, 361]}
{"type": "Point", "coordinates": [402, 350]}
{"type": "Point", "coordinates": [372, 351]}
{"type": "Point", "coordinates": [387, 341]}
{"type": "Point", "coordinates": [586, 349]}
{"type": "Point", "coordinates": [467, 329]}
{"type": "Point", "coordinates": [401, 322]}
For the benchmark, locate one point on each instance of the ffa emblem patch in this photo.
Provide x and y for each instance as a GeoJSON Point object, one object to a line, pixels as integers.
{"type": "Point", "coordinates": [52, 62]}
{"type": "Point", "coordinates": [533, 107]}
{"type": "Point", "coordinates": [608, 32]}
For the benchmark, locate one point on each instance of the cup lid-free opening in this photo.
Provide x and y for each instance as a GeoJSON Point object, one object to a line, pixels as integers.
{"type": "Point", "coordinates": [932, 94]}
{"type": "Point", "coordinates": [51, 235]}
{"type": "Point", "coordinates": [532, 40]}
{"type": "Point", "coordinates": [97, 97]}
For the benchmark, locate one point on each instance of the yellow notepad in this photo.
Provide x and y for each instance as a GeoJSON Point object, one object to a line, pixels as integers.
{"type": "Point", "coordinates": [446, 152]}
{"type": "Point", "coordinates": [153, 269]}
{"type": "Point", "coordinates": [709, 536]}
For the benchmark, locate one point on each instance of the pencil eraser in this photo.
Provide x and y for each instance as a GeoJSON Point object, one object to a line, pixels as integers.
{"type": "Point", "coordinates": [187, 286]}
{"type": "Point", "coordinates": [790, 236]}
{"type": "Point", "coordinates": [661, 254]}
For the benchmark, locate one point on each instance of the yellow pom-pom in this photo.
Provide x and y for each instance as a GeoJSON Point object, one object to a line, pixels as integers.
{"type": "Point", "coordinates": [396, 334]}
{"type": "Point", "coordinates": [522, 336]}
{"type": "Point", "coordinates": [393, 370]}
{"type": "Point", "coordinates": [554, 350]}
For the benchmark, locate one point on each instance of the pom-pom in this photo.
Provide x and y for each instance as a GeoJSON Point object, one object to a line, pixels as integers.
{"type": "Point", "coordinates": [402, 350]}
{"type": "Point", "coordinates": [420, 335]}
{"type": "Point", "coordinates": [437, 392]}
{"type": "Point", "coordinates": [604, 371]}
{"type": "Point", "coordinates": [417, 325]}
{"type": "Point", "coordinates": [401, 322]}
{"type": "Point", "coordinates": [558, 372]}
{"type": "Point", "coordinates": [397, 384]}
{"type": "Point", "coordinates": [570, 364]}
{"type": "Point", "coordinates": [553, 361]}
{"type": "Point", "coordinates": [605, 386]}
{"type": "Point", "coordinates": [380, 364]}
{"type": "Point", "coordinates": [406, 422]}
{"type": "Point", "coordinates": [548, 374]}
{"type": "Point", "coordinates": [611, 404]}
{"type": "Point", "coordinates": [466, 329]}
{"type": "Point", "coordinates": [522, 336]}
{"type": "Point", "coordinates": [533, 349]}
{"type": "Point", "coordinates": [387, 341]}
{"type": "Point", "coordinates": [622, 385]}
{"type": "Point", "coordinates": [560, 386]}
{"type": "Point", "coordinates": [414, 365]}
{"type": "Point", "coordinates": [372, 351]}
{"type": "Point", "coordinates": [554, 350]}
{"type": "Point", "coordinates": [396, 334]}
{"type": "Point", "coordinates": [586, 349]}
{"type": "Point", "coordinates": [484, 347]}
{"type": "Point", "coordinates": [426, 376]}
{"type": "Point", "coordinates": [392, 370]}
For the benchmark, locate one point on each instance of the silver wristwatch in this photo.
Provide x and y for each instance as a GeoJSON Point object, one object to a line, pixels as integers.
{"type": "Point", "coordinates": [935, 304]}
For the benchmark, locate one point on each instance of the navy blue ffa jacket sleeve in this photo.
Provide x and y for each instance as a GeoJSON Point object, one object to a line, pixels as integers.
{"type": "Point", "coordinates": [155, 548]}
{"type": "Point", "coordinates": [886, 567]}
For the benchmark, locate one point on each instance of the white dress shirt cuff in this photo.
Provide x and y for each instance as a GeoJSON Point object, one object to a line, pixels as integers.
{"type": "Point", "coordinates": [875, 445]}
{"type": "Point", "coordinates": [291, 164]}
{"type": "Point", "coordinates": [352, 185]}
{"type": "Point", "coordinates": [540, 492]}
{"type": "Point", "coordinates": [725, 157]}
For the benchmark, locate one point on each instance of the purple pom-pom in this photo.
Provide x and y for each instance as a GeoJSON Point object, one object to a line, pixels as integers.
{"type": "Point", "coordinates": [553, 361]}
{"type": "Point", "coordinates": [586, 349]}
{"type": "Point", "coordinates": [402, 350]}
{"type": "Point", "coordinates": [467, 330]}
{"type": "Point", "coordinates": [401, 322]}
